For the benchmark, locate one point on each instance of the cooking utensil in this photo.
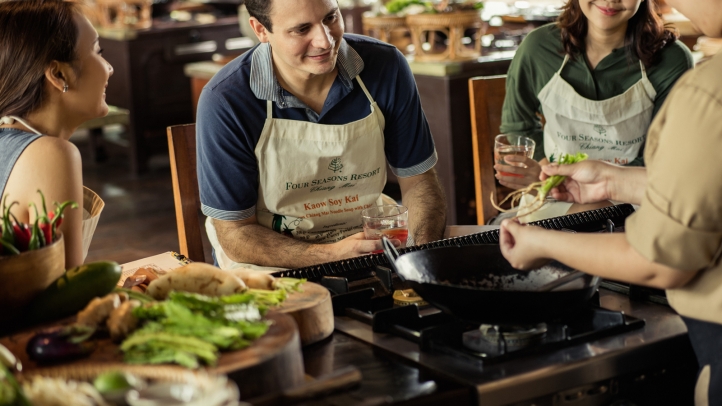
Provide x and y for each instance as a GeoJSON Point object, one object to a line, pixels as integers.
{"type": "Point", "coordinates": [569, 277]}
{"type": "Point", "coordinates": [477, 283]}
{"type": "Point", "coordinates": [572, 276]}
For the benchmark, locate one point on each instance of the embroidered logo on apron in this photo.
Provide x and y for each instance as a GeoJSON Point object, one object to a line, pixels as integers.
{"type": "Point", "coordinates": [335, 165]}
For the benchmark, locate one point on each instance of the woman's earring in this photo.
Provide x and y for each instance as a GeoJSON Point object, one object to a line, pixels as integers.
{"type": "Point", "coordinates": [65, 88]}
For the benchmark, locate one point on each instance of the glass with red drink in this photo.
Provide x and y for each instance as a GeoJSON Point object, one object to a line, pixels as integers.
{"type": "Point", "coordinates": [387, 220]}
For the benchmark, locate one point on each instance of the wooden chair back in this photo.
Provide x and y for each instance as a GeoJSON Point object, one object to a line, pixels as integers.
{"type": "Point", "coordinates": [182, 149]}
{"type": "Point", "coordinates": [486, 96]}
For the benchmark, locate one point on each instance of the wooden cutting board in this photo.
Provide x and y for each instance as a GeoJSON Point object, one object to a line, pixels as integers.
{"type": "Point", "coordinates": [312, 310]}
{"type": "Point", "coordinates": [271, 364]}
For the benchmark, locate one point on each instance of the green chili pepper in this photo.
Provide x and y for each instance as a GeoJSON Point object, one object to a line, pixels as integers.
{"type": "Point", "coordinates": [11, 250]}
{"type": "Point", "coordinates": [42, 199]}
{"type": "Point", "coordinates": [36, 236]}
{"type": "Point", "coordinates": [7, 229]}
{"type": "Point", "coordinates": [56, 217]}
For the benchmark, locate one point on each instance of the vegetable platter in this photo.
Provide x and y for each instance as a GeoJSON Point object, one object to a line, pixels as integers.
{"type": "Point", "coordinates": [272, 363]}
{"type": "Point", "coordinates": [195, 316]}
{"type": "Point", "coordinates": [310, 306]}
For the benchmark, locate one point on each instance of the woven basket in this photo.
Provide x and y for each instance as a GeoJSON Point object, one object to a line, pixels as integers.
{"type": "Point", "coordinates": [24, 276]}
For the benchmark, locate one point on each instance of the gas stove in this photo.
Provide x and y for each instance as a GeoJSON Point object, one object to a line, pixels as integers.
{"type": "Point", "coordinates": [623, 348]}
{"type": "Point", "coordinates": [616, 349]}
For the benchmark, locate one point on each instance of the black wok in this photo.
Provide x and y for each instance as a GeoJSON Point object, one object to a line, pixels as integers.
{"type": "Point", "coordinates": [476, 283]}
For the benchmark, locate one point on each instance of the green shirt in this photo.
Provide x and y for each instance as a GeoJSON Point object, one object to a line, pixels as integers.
{"type": "Point", "coordinates": [540, 56]}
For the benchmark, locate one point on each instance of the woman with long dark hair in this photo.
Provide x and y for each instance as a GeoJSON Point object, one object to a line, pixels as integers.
{"type": "Point", "coordinates": [595, 78]}
{"type": "Point", "coordinates": [52, 79]}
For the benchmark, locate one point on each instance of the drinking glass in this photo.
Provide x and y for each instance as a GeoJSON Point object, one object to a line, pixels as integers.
{"type": "Point", "coordinates": [390, 220]}
{"type": "Point", "coordinates": [510, 144]}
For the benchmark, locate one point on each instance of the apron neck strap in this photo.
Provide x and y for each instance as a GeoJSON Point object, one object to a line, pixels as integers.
{"type": "Point", "coordinates": [363, 87]}
{"type": "Point", "coordinates": [13, 119]}
{"type": "Point", "coordinates": [566, 59]}
{"type": "Point", "coordinates": [269, 109]}
{"type": "Point", "coordinates": [644, 71]}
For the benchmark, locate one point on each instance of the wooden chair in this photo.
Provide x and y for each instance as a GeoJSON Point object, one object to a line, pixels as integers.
{"type": "Point", "coordinates": [182, 149]}
{"type": "Point", "coordinates": [486, 96]}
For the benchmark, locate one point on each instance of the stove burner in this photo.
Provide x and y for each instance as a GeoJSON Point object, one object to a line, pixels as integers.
{"type": "Point", "coordinates": [494, 339]}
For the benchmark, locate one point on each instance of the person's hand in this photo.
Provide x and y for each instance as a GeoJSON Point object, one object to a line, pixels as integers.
{"type": "Point", "coordinates": [356, 245]}
{"type": "Point", "coordinates": [586, 182]}
{"type": "Point", "coordinates": [522, 245]}
{"type": "Point", "coordinates": [519, 173]}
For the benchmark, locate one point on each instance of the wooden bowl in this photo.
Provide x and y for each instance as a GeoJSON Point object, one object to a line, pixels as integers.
{"type": "Point", "coordinates": [24, 276]}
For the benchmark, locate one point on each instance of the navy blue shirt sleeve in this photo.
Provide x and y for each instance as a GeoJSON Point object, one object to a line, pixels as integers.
{"type": "Point", "coordinates": [409, 144]}
{"type": "Point", "coordinates": [227, 167]}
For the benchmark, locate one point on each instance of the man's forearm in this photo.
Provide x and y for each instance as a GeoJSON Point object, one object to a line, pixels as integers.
{"type": "Point", "coordinates": [258, 245]}
{"type": "Point", "coordinates": [427, 208]}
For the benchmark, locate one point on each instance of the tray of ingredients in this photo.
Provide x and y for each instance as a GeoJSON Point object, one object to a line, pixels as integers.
{"type": "Point", "coordinates": [174, 335]}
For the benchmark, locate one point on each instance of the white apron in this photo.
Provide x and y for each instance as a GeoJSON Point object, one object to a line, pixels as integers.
{"type": "Point", "coordinates": [611, 130]}
{"type": "Point", "coordinates": [315, 179]}
{"type": "Point", "coordinates": [92, 203]}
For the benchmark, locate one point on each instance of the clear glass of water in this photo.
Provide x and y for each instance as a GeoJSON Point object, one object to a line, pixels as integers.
{"type": "Point", "coordinates": [510, 144]}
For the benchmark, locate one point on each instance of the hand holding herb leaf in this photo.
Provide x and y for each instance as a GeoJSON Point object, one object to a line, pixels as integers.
{"type": "Point", "coordinates": [541, 189]}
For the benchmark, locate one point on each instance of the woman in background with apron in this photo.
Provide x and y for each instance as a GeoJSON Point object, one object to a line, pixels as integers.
{"type": "Point", "coordinates": [52, 79]}
{"type": "Point", "coordinates": [597, 77]}
{"type": "Point", "coordinates": [674, 240]}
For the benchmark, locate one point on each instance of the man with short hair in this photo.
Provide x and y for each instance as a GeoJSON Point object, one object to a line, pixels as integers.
{"type": "Point", "coordinates": [294, 138]}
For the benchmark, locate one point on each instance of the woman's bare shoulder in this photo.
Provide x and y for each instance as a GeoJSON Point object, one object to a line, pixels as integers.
{"type": "Point", "coordinates": [50, 151]}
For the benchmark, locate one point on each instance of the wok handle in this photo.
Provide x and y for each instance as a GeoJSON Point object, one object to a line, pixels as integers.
{"type": "Point", "coordinates": [390, 252]}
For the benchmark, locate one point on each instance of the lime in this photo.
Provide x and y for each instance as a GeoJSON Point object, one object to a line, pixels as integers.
{"type": "Point", "coordinates": [113, 381]}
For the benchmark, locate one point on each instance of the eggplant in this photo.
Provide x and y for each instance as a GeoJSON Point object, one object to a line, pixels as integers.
{"type": "Point", "coordinates": [60, 344]}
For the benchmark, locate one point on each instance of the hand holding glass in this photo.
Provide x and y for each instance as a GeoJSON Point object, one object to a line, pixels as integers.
{"type": "Point", "coordinates": [510, 144]}
{"type": "Point", "coordinates": [388, 220]}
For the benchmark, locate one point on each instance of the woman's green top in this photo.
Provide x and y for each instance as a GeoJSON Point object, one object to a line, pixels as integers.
{"type": "Point", "coordinates": [540, 56]}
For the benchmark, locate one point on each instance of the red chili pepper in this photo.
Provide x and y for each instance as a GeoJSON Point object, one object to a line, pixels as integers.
{"type": "Point", "coordinates": [22, 234]}
{"type": "Point", "coordinates": [58, 222]}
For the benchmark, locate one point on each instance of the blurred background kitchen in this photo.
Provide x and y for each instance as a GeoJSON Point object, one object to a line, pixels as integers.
{"type": "Point", "coordinates": [164, 51]}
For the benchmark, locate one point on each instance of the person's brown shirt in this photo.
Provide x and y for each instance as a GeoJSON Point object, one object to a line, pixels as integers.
{"type": "Point", "coordinates": [679, 223]}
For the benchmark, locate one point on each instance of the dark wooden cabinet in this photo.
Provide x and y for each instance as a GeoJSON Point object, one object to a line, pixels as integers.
{"type": "Point", "coordinates": [445, 100]}
{"type": "Point", "coordinates": [149, 79]}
